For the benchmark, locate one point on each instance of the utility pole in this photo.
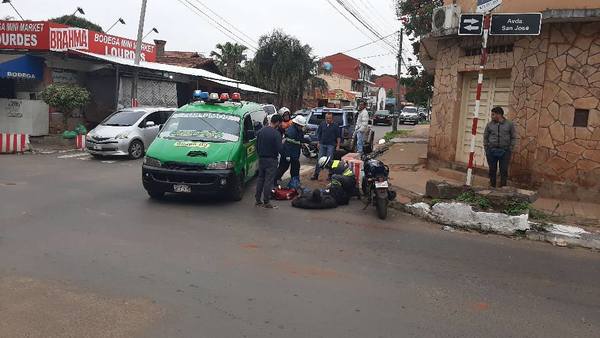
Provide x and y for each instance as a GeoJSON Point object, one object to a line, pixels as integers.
{"type": "Point", "coordinates": [398, 84]}
{"type": "Point", "coordinates": [138, 55]}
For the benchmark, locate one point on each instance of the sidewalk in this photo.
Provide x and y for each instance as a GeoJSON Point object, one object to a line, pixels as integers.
{"type": "Point", "coordinates": [408, 173]}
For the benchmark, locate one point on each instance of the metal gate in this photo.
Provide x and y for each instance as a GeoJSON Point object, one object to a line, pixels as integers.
{"type": "Point", "coordinates": [150, 93]}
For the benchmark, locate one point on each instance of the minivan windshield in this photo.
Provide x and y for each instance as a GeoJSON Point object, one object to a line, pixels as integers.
{"type": "Point", "coordinates": [317, 118]}
{"type": "Point", "coordinates": [409, 110]}
{"type": "Point", "coordinates": [203, 126]}
{"type": "Point", "coordinates": [123, 118]}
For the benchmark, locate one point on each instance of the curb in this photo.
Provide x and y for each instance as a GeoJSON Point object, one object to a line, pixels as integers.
{"type": "Point", "coordinates": [583, 240]}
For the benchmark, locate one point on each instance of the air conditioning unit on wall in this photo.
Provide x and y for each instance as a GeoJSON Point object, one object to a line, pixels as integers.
{"type": "Point", "coordinates": [445, 18]}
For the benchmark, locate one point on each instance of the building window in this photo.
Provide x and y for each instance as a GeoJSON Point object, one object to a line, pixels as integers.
{"type": "Point", "coordinates": [491, 50]}
{"type": "Point", "coordinates": [581, 118]}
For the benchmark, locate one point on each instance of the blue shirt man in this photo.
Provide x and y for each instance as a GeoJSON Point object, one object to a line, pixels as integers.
{"type": "Point", "coordinates": [329, 136]}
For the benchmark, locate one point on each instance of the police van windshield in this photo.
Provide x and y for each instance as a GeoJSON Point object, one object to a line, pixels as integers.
{"type": "Point", "coordinates": [204, 126]}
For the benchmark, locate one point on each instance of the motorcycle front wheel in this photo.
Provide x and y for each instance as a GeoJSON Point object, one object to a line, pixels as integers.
{"type": "Point", "coordinates": [381, 204]}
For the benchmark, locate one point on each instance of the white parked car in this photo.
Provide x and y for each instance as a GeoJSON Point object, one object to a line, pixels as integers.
{"type": "Point", "coordinates": [127, 132]}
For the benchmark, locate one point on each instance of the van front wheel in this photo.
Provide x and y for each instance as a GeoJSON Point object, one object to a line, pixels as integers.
{"type": "Point", "coordinates": [237, 188]}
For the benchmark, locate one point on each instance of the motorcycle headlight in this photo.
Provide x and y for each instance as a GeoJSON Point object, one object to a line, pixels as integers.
{"type": "Point", "coordinates": [152, 162]}
{"type": "Point", "coordinates": [221, 165]}
{"type": "Point", "coordinates": [122, 136]}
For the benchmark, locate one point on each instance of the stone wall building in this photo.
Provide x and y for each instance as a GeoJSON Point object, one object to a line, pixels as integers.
{"type": "Point", "coordinates": [549, 85]}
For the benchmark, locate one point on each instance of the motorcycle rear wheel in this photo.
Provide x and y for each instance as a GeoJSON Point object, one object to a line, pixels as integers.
{"type": "Point", "coordinates": [381, 204]}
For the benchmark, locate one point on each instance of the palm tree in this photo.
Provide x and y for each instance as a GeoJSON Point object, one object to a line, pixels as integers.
{"type": "Point", "coordinates": [286, 66]}
{"type": "Point", "coordinates": [229, 58]}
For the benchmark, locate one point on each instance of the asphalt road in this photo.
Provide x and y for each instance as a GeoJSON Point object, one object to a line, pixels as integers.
{"type": "Point", "coordinates": [84, 252]}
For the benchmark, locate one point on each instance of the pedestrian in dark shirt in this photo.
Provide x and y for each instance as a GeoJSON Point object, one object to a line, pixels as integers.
{"type": "Point", "coordinates": [329, 137]}
{"type": "Point", "coordinates": [499, 141]}
{"type": "Point", "coordinates": [268, 147]}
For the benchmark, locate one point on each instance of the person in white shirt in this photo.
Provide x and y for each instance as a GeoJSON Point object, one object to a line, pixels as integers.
{"type": "Point", "coordinates": [362, 126]}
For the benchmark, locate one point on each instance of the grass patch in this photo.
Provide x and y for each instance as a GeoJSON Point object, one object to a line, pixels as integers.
{"type": "Point", "coordinates": [538, 215]}
{"type": "Point", "coordinates": [396, 134]}
{"type": "Point", "coordinates": [473, 199]}
{"type": "Point", "coordinates": [435, 201]}
{"type": "Point", "coordinates": [515, 208]}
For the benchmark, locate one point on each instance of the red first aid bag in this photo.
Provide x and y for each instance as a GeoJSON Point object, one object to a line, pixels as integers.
{"type": "Point", "coordinates": [283, 194]}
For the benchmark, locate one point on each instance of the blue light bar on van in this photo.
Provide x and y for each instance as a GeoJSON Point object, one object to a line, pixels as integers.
{"type": "Point", "coordinates": [204, 96]}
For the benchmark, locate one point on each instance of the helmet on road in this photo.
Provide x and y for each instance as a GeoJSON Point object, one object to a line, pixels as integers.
{"type": "Point", "coordinates": [324, 161]}
{"type": "Point", "coordinates": [284, 110]}
{"type": "Point", "coordinates": [300, 120]}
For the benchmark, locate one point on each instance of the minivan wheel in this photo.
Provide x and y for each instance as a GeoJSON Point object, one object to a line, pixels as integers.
{"type": "Point", "coordinates": [237, 189]}
{"type": "Point", "coordinates": [136, 149]}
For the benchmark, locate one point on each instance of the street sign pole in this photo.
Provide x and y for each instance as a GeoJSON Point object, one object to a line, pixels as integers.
{"type": "Point", "coordinates": [484, 56]}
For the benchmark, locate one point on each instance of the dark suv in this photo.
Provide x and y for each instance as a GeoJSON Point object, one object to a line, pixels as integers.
{"type": "Point", "coordinates": [345, 119]}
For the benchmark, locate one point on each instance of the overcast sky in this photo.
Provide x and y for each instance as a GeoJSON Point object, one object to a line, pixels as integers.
{"type": "Point", "coordinates": [314, 22]}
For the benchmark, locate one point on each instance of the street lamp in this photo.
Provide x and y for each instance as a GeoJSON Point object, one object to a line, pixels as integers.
{"type": "Point", "coordinates": [11, 5]}
{"type": "Point", "coordinates": [119, 20]}
{"type": "Point", "coordinates": [152, 30]}
{"type": "Point", "coordinates": [79, 9]}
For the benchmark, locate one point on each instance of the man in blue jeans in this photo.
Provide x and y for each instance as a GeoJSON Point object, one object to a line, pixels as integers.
{"type": "Point", "coordinates": [329, 137]}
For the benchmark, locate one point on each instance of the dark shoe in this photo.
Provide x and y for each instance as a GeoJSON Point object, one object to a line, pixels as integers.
{"type": "Point", "coordinates": [268, 205]}
{"type": "Point", "coordinates": [259, 203]}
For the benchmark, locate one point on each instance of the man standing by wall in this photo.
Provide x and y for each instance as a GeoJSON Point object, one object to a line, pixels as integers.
{"type": "Point", "coordinates": [329, 137]}
{"type": "Point", "coordinates": [499, 141]}
{"type": "Point", "coordinates": [362, 126]}
{"type": "Point", "coordinates": [268, 146]}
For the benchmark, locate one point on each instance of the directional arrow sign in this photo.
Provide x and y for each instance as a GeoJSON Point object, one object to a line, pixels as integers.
{"type": "Point", "coordinates": [516, 24]}
{"type": "Point", "coordinates": [471, 24]}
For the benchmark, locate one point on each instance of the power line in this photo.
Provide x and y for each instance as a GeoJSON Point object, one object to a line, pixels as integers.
{"type": "Point", "coordinates": [349, 20]}
{"type": "Point", "coordinates": [227, 22]}
{"type": "Point", "coordinates": [362, 21]}
{"type": "Point", "coordinates": [363, 11]}
{"type": "Point", "coordinates": [226, 31]}
{"type": "Point", "coordinates": [374, 56]}
{"type": "Point", "coordinates": [369, 43]}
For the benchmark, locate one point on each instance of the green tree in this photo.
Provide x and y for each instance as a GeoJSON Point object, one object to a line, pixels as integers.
{"type": "Point", "coordinates": [229, 57]}
{"type": "Point", "coordinates": [75, 21]}
{"type": "Point", "coordinates": [390, 92]}
{"type": "Point", "coordinates": [419, 13]}
{"type": "Point", "coordinates": [286, 66]}
{"type": "Point", "coordinates": [65, 98]}
{"type": "Point", "coordinates": [419, 88]}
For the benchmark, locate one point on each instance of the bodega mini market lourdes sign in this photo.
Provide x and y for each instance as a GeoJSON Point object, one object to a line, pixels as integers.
{"type": "Point", "coordinates": [50, 36]}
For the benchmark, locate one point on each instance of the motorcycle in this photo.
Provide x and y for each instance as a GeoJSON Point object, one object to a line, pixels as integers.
{"type": "Point", "coordinates": [309, 150]}
{"type": "Point", "coordinates": [376, 187]}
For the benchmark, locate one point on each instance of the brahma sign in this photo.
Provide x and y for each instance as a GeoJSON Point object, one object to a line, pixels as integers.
{"type": "Point", "coordinates": [50, 36]}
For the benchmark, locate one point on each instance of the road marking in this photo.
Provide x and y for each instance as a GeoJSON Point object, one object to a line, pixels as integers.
{"type": "Point", "coordinates": [73, 155]}
{"type": "Point", "coordinates": [108, 162]}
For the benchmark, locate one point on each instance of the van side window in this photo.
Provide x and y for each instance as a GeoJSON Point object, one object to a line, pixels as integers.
{"type": "Point", "coordinates": [248, 123]}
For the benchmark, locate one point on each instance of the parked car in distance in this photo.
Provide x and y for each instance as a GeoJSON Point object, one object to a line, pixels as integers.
{"type": "Point", "coordinates": [409, 115]}
{"type": "Point", "coordinates": [382, 117]}
{"type": "Point", "coordinates": [345, 119]}
{"type": "Point", "coordinates": [127, 132]}
{"type": "Point", "coordinates": [423, 114]}
{"type": "Point", "coordinates": [301, 112]}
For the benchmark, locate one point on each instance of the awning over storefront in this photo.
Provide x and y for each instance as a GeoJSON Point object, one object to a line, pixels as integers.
{"type": "Point", "coordinates": [21, 67]}
{"type": "Point", "coordinates": [216, 78]}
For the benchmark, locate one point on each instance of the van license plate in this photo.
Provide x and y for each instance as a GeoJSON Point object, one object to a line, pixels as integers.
{"type": "Point", "coordinates": [182, 188]}
{"type": "Point", "coordinates": [97, 147]}
{"type": "Point", "coordinates": [381, 184]}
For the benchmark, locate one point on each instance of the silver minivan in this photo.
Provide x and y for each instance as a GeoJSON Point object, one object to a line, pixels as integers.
{"type": "Point", "coordinates": [128, 132]}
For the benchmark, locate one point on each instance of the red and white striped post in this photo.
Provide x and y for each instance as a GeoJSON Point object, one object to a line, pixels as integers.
{"type": "Point", "coordinates": [484, 56]}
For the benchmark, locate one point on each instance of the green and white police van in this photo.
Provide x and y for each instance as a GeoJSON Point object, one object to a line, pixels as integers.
{"type": "Point", "coordinates": [206, 147]}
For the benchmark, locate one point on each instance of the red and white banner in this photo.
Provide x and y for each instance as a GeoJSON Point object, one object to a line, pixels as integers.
{"type": "Point", "coordinates": [80, 142]}
{"type": "Point", "coordinates": [13, 143]}
{"type": "Point", "coordinates": [50, 36]}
